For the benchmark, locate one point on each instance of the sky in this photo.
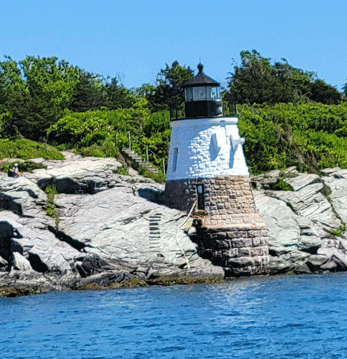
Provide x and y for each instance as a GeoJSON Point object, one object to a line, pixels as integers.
{"type": "Point", "coordinates": [133, 40]}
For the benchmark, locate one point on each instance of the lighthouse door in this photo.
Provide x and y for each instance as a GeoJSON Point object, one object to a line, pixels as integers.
{"type": "Point", "coordinates": [201, 195]}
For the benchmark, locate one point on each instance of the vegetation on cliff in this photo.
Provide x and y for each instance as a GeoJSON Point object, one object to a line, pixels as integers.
{"type": "Point", "coordinates": [287, 115]}
{"type": "Point", "coordinates": [311, 136]}
{"type": "Point", "coordinates": [26, 149]}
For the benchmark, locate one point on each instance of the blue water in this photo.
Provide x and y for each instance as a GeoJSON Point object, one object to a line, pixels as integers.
{"type": "Point", "coordinates": [276, 317]}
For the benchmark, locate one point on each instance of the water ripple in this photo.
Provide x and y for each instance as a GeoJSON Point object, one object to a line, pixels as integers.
{"type": "Point", "coordinates": [275, 317]}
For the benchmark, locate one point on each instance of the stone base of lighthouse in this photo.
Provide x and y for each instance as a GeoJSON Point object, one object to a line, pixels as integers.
{"type": "Point", "coordinates": [230, 231]}
{"type": "Point", "coordinates": [239, 250]}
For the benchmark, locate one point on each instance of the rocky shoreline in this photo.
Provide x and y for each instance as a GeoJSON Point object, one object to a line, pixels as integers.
{"type": "Point", "coordinates": [108, 229]}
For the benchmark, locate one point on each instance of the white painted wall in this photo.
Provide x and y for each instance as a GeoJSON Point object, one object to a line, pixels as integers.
{"type": "Point", "coordinates": [207, 148]}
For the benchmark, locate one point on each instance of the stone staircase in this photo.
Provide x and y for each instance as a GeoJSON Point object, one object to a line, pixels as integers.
{"type": "Point", "coordinates": [154, 232]}
{"type": "Point", "coordinates": [137, 161]}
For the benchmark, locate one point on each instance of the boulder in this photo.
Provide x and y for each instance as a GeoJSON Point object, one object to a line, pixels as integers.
{"type": "Point", "coordinates": [81, 175]}
{"type": "Point", "coordinates": [22, 196]}
{"type": "Point", "coordinates": [111, 227]}
{"type": "Point", "coordinates": [40, 247]}
{"type": "Point", "coordinates": [20, 263]}
{"type": "Point", "coordinates": [337, 184]}
{"type": "Point", "coordinates": [3, 263]}
{"type": "Point", "coordinates": [281, 220]}
{"type": "Point", "coordinates": [301, 181]}
{"type": "Point", "coordinates": [315, 262]}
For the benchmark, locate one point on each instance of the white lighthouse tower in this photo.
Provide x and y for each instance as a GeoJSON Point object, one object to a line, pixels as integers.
{"type": "Point", "coordinates": [207, 170]}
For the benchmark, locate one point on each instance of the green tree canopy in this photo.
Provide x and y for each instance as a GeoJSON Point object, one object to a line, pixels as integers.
{"type": "Point", "coordinates": [168, 93]}
{"type": "Point", "coordinates": [256, 80]}
{"type": "Point", "coordinates": [36, 92]}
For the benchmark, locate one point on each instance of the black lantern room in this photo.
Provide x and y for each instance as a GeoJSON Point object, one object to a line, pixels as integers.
{"type": "Point", "coordinates": [202, 97]}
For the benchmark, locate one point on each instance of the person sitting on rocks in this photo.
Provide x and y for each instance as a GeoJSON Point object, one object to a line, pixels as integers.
{"type": "Point", "coordinates": [14, 171]}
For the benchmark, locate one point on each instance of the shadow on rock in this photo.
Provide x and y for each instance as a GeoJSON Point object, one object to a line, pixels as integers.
{"type": "Point", "coordinates": [149, 194]}
{"type": "Point", "coordinates": [7, 231]}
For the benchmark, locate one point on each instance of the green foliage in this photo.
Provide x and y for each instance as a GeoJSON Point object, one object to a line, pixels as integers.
{"type": "Point", "coordinates": [256, 80]}
{"type": "Point", "coordinates": [50, 206]}
{"type": "Point", "coordinates": [339, 231]}
{"type": "Point", "coordinates": [158, 177]}
{"type": "Point", "coordinates": [280, 185]}
{"type": "Point", "coordinates": [95, 133]}
{"type": "Point", "coordinates": [36, 92]}
{"type": "Point", "coordinates": [308, 136]}
{"type": "Point", "coordinates": [26, 149]}
{"type": "Point", "coordinates": [91, 151]}
{"type": "Point", "coordinates": [168, 93]}
{"type": "Point", "coordinates": [93, 92]}
{"type": "Point", "coordinates": [122, 171]}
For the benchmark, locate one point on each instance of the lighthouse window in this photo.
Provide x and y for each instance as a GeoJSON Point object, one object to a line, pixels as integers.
{"type": "Point", "coordinates": [175, 158]}
{"type": "Point", "coordinates": [189, 94]}
{"type": "Point", "coordinates": [199, 94]}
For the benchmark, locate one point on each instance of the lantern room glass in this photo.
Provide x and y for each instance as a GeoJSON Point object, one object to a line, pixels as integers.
{"type": "Point", "coordinates": [188, 92]}
{"type": "Point", "coordinates": [201, 93]}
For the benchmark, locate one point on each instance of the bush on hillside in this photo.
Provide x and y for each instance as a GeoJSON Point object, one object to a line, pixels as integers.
{"type": "Point", "coordinates": [104, 133]}
{"type": "Point", "coordinates": [309, 136]}
{"type": "Point", "coordinates": [26, 149]}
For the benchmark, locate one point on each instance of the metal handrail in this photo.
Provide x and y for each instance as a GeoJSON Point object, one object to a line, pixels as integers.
{"type": "Point", "coordinates": [147, 149]}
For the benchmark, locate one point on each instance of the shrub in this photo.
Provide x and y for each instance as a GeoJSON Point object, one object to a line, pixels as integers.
{"type": "Point", "coordinates": [280, 185]}
{"type": "Point", "coordinates": [26, 149]}
{"type": "Point", "coordinates": [158, 177]}
{"type": "Point", "coordinates": [50, 206]}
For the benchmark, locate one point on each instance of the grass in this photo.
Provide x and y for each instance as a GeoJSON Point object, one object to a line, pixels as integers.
{"type": "Point", "coordinates": [121, 171]}
{"type": "Point", "coordinates": [26, 149]}
{"type": "Point", "coordinates": [157, 177]}
{"type": "Point", "coordinates": [50, 206]}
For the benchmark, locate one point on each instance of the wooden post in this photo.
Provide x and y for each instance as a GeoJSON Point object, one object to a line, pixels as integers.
{"type": "Point", "coordinates": [115, 140]}
{"type": "Point", "coordinates": [147, 154]}
{"type": "Point", "coordinates": [164, 166]}
{"type": "Point", "coordinates": [129, 141]}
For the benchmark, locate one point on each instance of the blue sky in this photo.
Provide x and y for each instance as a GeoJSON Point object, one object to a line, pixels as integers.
{"type": "Point", "coordinates": [135, 39]}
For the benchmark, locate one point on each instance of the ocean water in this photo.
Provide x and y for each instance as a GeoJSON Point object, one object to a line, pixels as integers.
{"type": "Point", "coordinates": [276, 317]}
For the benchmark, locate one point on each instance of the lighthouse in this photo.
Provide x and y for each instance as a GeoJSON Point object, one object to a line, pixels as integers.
{"type": "Point", "coordinates": [207, 175]}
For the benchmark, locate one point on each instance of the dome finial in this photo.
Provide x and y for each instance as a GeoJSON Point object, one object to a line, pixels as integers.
{"type": "Point", "coordinates": [200, 67]}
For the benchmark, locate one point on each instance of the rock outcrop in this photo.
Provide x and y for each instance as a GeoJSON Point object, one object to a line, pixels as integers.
{"type": "Point", "coordinates": [307, 224]}
{"type": "Point", "coordinates": [110, 228]}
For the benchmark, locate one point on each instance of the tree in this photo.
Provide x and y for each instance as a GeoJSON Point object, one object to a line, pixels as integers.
{"type": "Point", "coordinates": [168, 93]}
{"type": "Point", "coordinates": [36, 93]}
{"type": "Point", "coordinates": [117, 96]}
{"type": "Point", "coordinates": [324, 93]}
{"type": "Point", "coordinates": [345, 90]}
{"type": "Point", "coordinates": [256, 80]}
{"type": "Point", "coordinates": [88, 92]}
